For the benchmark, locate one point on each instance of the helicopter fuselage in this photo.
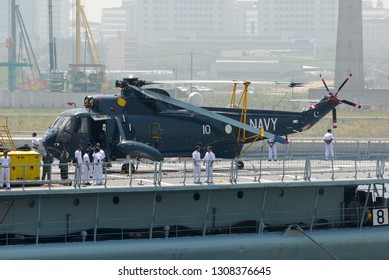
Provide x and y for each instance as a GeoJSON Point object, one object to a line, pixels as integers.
{"type": "Point", "coordinates": [145, 125]}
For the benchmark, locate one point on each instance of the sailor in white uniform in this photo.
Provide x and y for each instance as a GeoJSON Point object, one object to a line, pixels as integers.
{"type": "Point", "coordinates": [196, 165]}
{"type": "Point", "coordinates": [101, 151]}
{"type": "Point", "coordinates": [86, 170]}
{"type": "Point", "coordinates": [5, 162]}
{"type": "Point", "coordinates": [328, 137]}
{"type": "Point", "coordinates": [209, 159]}
{"type": "Point", "coordinates": [34, 143]}
{"type": "Point", "coordinates": [272, 149]}
{"type": "Point", "coordinates": [78, 165]}
{"type": "Point", "coordinates": [98, 158]}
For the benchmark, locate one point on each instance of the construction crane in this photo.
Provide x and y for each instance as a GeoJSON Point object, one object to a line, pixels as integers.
{"type": "Point", "coordinates": [86, 77]}
{"type": "Point", "coordinates": [34, 80]}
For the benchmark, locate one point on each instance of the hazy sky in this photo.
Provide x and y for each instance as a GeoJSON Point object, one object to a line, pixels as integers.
{"type": "Point", "coordinates": [93, 8]}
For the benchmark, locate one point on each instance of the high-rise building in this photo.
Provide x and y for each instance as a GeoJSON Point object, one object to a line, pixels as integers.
{"type": "Point", "coordinates": [114, 22]}
{"type": "Point", "coordinates": [193, 19]}
{"type": "Point", "coordinates": [244, 18]}
{"type": "Point", "coordinates": [164, 20]}
{"type": "Point", "coordinates": [121, 52]}
{"type": "Point", "coordinates": [171, 19]}
{"type": "Point", "coordinates": [288, 19]}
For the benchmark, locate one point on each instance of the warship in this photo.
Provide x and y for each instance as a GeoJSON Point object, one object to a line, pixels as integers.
{"type": "Point", "coordinates": [286, 209]}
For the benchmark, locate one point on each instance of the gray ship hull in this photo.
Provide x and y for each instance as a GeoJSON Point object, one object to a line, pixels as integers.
{"type": "Point", "coordinates": [267, 213]}
{"type": "Point", "coordinates": [348, 244]}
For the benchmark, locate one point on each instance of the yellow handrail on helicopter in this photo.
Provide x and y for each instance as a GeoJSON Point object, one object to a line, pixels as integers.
{"type": "Point", "coordinates": [243, 118]}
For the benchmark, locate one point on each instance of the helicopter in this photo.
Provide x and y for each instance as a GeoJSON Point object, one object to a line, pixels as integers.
{"type": "Point", "coordinates": [148, 123]}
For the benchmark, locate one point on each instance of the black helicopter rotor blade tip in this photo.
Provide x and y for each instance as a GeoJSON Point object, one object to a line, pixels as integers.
{"type": "Point", "coordinates": [342, 85]}
{"type": "Point", "coordinates": [334, 119]}
{"type": "Point", "coordinates": [296, 84]}
{"type": "Point", "coordinates": [324, 83]}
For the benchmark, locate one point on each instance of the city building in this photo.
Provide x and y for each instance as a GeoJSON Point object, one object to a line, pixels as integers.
{"type": "Point", "coordinates": [114, 22]}
{"type": "Point", "coordinates": [243, 27]}
{"type": "Point", "coordinates": [289, 19]}
{"type": "Point", "coordinates": [121, 52]}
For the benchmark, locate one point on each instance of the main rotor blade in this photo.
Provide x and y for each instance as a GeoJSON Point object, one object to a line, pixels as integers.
{"type": "Point", "coordinates": [334, 121]}
{"type": "Point", "coordinates": [345, 81]}
{"type": "Point", "coordinates": [211, 114]}
{"type": "Point", "coordinates": [324, 84]}
{"type": "Point", "coordinates": [289, 84]}
{"type": "Point", "coordinates": [196, 81]}
{"type": "Point", "coordinates": [350, 103]}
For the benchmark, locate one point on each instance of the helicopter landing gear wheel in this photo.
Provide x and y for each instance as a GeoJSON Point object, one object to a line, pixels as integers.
{"type": "Point", "coordinates": [125, 168]}
{"type": "Point", "coordinates": [239, 164]}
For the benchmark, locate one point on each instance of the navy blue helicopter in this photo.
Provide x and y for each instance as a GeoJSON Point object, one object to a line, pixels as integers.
{"type": "Point", "coordinates": [148, 123]}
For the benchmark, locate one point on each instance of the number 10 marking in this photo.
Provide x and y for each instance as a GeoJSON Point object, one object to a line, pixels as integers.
{"type": "Point", "coordinates": [206, 129]}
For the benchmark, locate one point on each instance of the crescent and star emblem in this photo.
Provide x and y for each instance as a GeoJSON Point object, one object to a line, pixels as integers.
{"type": "Point", "coordinates": [316, 114]}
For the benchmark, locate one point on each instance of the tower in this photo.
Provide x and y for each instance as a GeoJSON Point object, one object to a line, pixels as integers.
{"type": "Point", "coordinates": [349, 49]}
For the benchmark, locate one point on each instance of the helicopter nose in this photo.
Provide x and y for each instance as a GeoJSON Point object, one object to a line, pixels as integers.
{"type": "Point", "coordinates": [44, 138]}
{"type": "Point", "coordinates": [49, 139]}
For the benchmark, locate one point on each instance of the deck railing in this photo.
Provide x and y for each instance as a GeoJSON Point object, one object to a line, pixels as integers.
{"type": "Point", "coordinates": [314, 149]}
{"type": "Point", "coordinates": [179, 172]}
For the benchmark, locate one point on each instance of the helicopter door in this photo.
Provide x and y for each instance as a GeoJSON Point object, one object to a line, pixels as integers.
{"type": "Point", "coordinates": [98, 130]}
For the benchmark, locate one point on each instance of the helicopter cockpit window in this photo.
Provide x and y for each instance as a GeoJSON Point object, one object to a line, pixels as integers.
{"type": "Point", "coordinates": [68, 125]}
{"type": "Point", "coordinates": [57, 122]}
{"type": "Point", "coordinates": [62, 123]}
{"type": "Point", "coordinates": [64, 126]}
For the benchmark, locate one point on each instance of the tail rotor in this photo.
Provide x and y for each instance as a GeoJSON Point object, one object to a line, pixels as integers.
{"type": "Point", "coordinates": [333, 97]}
